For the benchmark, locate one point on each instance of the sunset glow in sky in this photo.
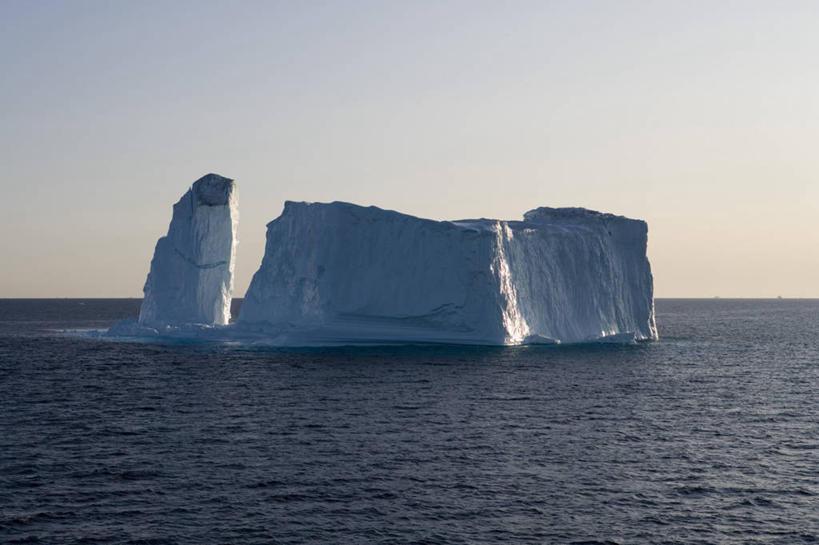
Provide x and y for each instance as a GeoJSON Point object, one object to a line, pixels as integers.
{"type": "Point", "coordinates": [701, 118]}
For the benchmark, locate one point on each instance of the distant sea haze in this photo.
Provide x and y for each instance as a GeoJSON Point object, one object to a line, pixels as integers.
{"type": "Point", "coordinates": [708, 435]}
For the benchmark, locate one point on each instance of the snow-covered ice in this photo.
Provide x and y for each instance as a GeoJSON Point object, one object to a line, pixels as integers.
{"type": "Point", "coordinates": [191, 276]}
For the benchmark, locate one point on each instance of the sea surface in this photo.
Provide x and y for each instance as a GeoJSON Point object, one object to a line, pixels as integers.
{"type": "Point", "coordinates": [710, 435]}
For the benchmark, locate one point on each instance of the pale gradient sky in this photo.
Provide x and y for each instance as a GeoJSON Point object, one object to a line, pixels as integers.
{"type": "Point", "coordinates": [700, 117]}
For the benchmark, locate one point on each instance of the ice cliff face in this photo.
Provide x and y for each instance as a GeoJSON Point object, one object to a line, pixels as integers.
{"type": "Point", "coordinates": [335, 273]}
{"type": "Point", "coordinates": [191, 277]}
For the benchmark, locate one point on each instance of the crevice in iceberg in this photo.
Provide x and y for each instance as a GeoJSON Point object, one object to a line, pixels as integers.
{"type": "Point", "coordinates": [200, 266]}
{"type": "Point", "coordinates": [513, 322]}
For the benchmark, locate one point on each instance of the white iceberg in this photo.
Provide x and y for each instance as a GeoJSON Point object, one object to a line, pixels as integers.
{"type": "Point", "coordinates": [191, 276]}
{"type": "Point", "coordinates": [339, 273]}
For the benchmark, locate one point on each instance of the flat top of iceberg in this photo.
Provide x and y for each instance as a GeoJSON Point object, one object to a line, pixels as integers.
{"type": "Point", "coordinates": [570, 213]}
{"type": "Point", "coordinates": [541, 216]}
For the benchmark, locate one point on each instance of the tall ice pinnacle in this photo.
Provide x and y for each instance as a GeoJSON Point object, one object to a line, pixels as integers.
{"type": "Point", "coordinates": [191, 277]}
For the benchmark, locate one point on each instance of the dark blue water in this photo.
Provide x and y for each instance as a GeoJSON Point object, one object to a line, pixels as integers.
{"type": "Point", "coordinates": [708, 436]}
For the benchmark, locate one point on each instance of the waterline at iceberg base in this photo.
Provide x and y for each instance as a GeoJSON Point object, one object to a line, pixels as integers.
{"type": "Point", "coordinates": [338, 273]}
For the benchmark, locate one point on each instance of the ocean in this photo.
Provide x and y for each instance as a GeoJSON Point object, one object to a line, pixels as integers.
{"type": "Point", "coordinates": [710, 435]}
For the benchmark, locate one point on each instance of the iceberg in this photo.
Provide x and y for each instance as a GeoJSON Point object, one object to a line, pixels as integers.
{"type": "Point", "coordinates": [338, 273]}
{"type": "Point", "coordinates": [342, 274]}
{"type": "Point", "coordinates": [191, 275]}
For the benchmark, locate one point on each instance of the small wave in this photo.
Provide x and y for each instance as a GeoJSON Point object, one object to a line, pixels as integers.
{"type": "Point", "coordinates": [267, 484]}
{"type": "Point", "coordinates": [694, 490]}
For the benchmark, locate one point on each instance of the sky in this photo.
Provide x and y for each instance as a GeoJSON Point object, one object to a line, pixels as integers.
{"type": "Point", "coordinates": [701, 118]}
